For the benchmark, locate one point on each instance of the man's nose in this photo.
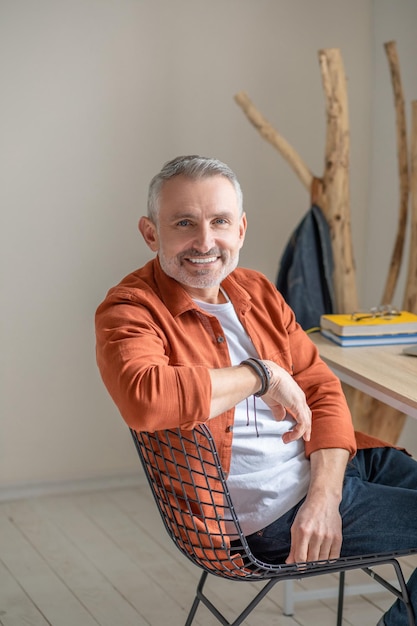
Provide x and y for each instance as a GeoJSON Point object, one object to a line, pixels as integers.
{"type": "Point", "coordinates": [204, 239]}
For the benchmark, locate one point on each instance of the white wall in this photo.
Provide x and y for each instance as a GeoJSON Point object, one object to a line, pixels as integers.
{"type": "Point", "coordinates": [96, 95]}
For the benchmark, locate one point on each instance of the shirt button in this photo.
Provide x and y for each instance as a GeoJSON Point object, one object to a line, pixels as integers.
{"type": "Point", "coordinates": [220, 339]}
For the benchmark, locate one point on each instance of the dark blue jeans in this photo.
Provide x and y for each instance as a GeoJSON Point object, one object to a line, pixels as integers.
{"type": "Point", "coordinates": [379, 513]}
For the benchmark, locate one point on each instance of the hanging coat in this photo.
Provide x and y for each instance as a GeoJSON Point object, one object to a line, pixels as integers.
{"type": "Point", "coordinates": [305, 276]}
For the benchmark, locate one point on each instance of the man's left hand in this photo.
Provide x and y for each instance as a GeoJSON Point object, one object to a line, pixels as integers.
{"type": "Point", "coordinates": [316, 533]}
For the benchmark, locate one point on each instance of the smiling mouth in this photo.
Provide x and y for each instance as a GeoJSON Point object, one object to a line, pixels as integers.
{"type": "Point", "coordinates": [202, 260]}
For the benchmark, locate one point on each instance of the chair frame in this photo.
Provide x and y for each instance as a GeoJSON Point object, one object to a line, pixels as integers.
{"type": "Point", "coordinates": [171, 482]}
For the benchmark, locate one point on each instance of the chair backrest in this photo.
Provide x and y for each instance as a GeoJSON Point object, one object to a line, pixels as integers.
{"type": "Point", "coordinates": [190, 490]}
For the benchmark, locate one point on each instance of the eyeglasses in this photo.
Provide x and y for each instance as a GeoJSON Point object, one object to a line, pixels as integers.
{"type": "Point", "coordinates": [384, 311]}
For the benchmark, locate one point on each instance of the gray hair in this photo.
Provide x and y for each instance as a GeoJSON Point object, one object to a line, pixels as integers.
{"type": "Point", "coordinates": [194, 167]}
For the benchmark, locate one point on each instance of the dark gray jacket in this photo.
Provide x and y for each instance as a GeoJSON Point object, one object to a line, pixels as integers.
{"type": "Point", "coordinates": [305, 276]}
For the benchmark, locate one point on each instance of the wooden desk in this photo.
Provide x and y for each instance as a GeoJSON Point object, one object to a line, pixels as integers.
{"type": "Point", "coordinates": [380, 371]}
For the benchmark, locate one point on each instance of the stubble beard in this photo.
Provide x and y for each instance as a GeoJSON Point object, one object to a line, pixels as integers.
{"type": "Point", "coordinates": [200, 278]}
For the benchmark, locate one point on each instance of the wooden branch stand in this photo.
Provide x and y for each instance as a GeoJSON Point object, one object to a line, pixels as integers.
{"type": "Point", "coordinates": [331, 193]}
{"type": "Point", "coordinates": [379, 419]}
{"type": "Point", "coordinates": [410, 299]}
{"type": "Point", "coordinates": [402, 159]}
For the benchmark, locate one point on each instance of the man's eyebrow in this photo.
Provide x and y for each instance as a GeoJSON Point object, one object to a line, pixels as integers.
{"type": "Point", "coordinates": [224, 214]}
{"type": "Point", "coordinates": [181, 215]}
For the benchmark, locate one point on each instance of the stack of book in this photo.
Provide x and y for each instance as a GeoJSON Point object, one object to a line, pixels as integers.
{"type": "Point", "coordinates": [368, 330]}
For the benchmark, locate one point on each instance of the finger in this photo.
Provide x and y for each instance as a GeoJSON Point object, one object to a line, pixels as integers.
{"type": "Point", "coordinates": [279, 412]}
{"type": "Point", "coordinates": [290, 558]}
{"type": "Point", "coordinates": [297, 432]}
{"type": "Point", "coordinates": [298, 552]}
{"type": "Point", "coordinates": [307, 433]}
{"type": "Point", "coordinates": [334, 553]}
{"type": "Point", "coordinates": [324, 547]}
{"type": "Point", "coordinates": [303, 423]}
{"type": "Point", "coordinates": [319, 551]}
{"type": "Point", "coordinates": [335, 549]}
{"type": "Point", "coordinates": [312, 548]}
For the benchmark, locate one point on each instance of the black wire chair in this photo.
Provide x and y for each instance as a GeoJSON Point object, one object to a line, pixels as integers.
{"type": "Point", "coordinates": [190, 490]}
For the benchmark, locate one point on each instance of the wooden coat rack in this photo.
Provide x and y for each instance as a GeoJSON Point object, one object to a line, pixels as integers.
{"type": "Point", "coordinates": [331, 193]}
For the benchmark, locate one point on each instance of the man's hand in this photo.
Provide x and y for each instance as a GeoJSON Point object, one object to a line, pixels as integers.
{"type": "Point", "coordinates": [316, 532]}
{"type": "Point", "coordinates": [285, 395]}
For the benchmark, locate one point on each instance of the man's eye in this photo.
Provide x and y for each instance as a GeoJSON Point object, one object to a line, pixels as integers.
{"type": "Point", "coordinates": [183, 223]}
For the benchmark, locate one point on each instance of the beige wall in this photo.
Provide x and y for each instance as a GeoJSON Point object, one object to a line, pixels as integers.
{"type": "Point", "coordinates": [96, 95]}
{"type": "Point", "coordinates": [392, 21]}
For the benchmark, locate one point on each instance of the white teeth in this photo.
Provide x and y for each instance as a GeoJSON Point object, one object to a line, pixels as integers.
{"type": "Point", "coordinates": [205, 260]}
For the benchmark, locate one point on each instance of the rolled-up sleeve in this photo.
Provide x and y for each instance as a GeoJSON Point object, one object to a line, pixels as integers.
{"type": "Point", "coordinates": [133, 358]}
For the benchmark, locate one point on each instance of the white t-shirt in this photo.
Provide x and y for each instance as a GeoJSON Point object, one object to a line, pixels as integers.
{"type": "Point", "coordinates": [267, 477]}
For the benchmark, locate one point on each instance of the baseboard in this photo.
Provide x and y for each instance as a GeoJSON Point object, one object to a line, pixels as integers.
{"type": "Point", "coordinates": [20, 492]}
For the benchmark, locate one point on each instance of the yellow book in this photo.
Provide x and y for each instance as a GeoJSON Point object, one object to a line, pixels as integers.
{"type": "Point", "coordinates": [365, 324]}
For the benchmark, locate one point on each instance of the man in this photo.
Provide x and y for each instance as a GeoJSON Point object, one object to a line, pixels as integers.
{"type": "Point", "coordinates": [191, 338]}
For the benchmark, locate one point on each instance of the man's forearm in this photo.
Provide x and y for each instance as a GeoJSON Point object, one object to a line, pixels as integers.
{"type": "Point", "coordinates": [231, 385]}
{"type": "Point", "coordinates": [327, 472]}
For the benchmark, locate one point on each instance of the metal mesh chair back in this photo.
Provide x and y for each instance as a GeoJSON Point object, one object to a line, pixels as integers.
{"type": "Point", "coordinates": [191, 493]}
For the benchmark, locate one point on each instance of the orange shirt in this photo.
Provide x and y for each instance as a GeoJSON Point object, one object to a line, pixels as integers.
{"type": "Point", "coordinates": [155, 347]}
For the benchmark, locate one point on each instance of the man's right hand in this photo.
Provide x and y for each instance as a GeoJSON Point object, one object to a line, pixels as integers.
{"type": "Point", "coordinates": [285, 395]}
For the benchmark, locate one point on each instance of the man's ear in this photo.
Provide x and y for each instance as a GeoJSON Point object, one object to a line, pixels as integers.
{"type": "Point", "coordinates": [149, 233]}
{"type": "Point", "coordinates": [243, 224]}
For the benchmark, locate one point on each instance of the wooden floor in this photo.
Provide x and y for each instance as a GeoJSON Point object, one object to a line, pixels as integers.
{"type": "Point", "coordinates": [104, 558]}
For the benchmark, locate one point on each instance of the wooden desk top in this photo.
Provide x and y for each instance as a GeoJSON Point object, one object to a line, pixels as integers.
{"type": "Point", "coordinates": [380, 371]}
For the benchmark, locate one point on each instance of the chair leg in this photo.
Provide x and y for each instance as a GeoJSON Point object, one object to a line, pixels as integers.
{"type": "Point", "coordinates": [201, 597]}
{"type": "Point", "coordinates": [401, 593]}
{"type": "Point", "coordinates": [341, 598]}
{"type": "Point", "coordinates": [196, 602]}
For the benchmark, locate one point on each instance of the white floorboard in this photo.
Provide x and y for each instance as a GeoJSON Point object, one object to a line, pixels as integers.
{"type": "Point", "coordinates": [104, 559]}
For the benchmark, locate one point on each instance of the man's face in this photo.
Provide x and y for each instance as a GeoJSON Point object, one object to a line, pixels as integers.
{"type": "Point", "coordinates": [199, 233]}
